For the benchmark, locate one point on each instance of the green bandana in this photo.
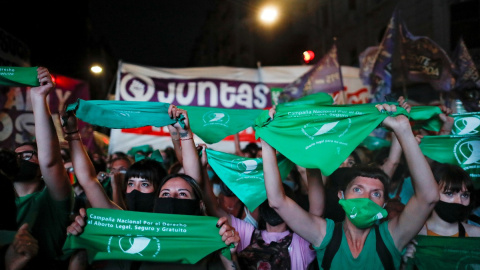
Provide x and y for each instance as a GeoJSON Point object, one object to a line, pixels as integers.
{"type": "Point", "coordinates": [438, 252]}
{"type": "Point", "coordinates": [362, 212]}
{"type": "Point", "coordinates": [156, 155]}
{"type": "Point", "coordinates": [214, 124]}
{"type": "Point", "coordinates": [139, 236]}
{"type": "Point", "coordinates": [310, 100]}
{"type": "Point", "coordinates": [426, 117]}
{"type": "Point", "coordinates": [146, 148]}
{"type": "Point", "coordinates": [466, 123]}
{"type": "Point", "coordinates": [19, 76]}
{"type": "Point", "coordinates": [463, 151]}
{"type": "Point", "coordinates": [374, 143]}
{"type": "Point", "coordinates": [244, 176]}
{"type": "Point", "coordinates": [319, 136]}
{"type": "Point", "coordinates": [123, 114]}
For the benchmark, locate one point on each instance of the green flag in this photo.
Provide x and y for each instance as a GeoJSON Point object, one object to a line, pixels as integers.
{"type": "Point", "coordinates": [439, 252]}
{"type": "Point", "coordinates": [123, 114]}
{"type": "Point", "coordinates": [319, 136]}
{"type": "Point", "coordinates": [463, 151]}
{"type": "Point", "coordinates": [466, 123]}
{"type": "Point", "coordinates": [19, 76]}
{"type": "Point", "coordinates": [244, 176]}
{"type": "Point", "coordinates": [139, 236]}
{"type": "Point", "coordinates": [214, 124]}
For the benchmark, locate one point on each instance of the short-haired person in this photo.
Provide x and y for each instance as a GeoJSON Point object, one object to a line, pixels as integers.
{"type": "Point", "coordinates": [367, 191]}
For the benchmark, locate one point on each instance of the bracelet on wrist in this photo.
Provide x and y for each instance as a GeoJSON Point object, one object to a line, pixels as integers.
{"type": "Point", "coordinates": [186, 139]}
{"type": "Point", "coordinates": [71, 132]}
{"type": "Point", "coordinates": [72, 137]}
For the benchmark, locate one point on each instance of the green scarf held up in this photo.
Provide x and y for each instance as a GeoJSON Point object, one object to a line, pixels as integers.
{"type": "Point", "coordinates": [214, 124]}
{"type": "Point", "coordinates": [19, 76]}
{"type": "Point", "coordinates": [319, 136]}
{"type": "Point", "coordinates": [244, 176]}
{"type": "Point", "coordinates": [466, 123]}
{"type": "Point", "coordinates": [426, 117]}
{"type": "Point", "coordinates": [139, 236]}
{"type": "Point", "coordinates": [463, 151]}
{"type": "Point", "coordinates": [439, 252]}
{"type": "Point", "coordinates": [123, 114]}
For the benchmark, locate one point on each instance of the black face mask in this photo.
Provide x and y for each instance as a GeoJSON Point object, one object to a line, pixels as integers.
{"type": "Point", "coordinates": [141, 202]}
{"type": "Point", "coordinates": [27, 171]}
{"type": "Point", "coordinates": [178, 206]}
{"type": "Point", "coordinates": [451, 212]}
{"type": "Point", "coordinates": [269, 215]}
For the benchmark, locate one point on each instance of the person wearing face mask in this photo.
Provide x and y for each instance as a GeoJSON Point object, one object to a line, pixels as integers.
{"type": "Point", "coordinates": [362, 198]}
{"type": "Point", "coordinates": [449, 217]}
{"type": "Point", "coordinates": [176, 194]}
{"type": "Point", "coordinates": [45, 195]}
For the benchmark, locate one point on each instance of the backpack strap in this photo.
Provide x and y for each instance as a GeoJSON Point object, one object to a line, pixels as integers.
{"type": "Point", "coordinates": [461, 230]}
{"type": "Point", "coordinates": [382, 251]}
{"type": "Point", "coordinates": [333, 246]}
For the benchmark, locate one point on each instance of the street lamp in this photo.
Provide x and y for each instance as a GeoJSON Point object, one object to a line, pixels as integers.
{"type": "Point", "coordinates": [269, 14]}
{"type": "Point", "coordinates": [96, 69]}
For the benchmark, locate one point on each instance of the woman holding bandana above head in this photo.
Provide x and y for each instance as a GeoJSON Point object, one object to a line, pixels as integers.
{"type": "Point", "coordinates": [362, 197]}
{"type": "Point", "coordinates": [174, 194]}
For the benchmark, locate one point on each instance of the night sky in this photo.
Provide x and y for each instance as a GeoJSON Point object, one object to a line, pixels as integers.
{"type": "Point", "coordinates": [65, 36]}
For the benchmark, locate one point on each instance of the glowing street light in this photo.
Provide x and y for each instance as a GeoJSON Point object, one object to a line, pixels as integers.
{"type": "Point", "coordinates": [269, 14]}
{"type": "Point", "coordinates": [96, 69]}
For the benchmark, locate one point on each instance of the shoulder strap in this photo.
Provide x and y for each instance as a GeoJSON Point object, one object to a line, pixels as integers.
{"type": "Point", "coordinates": [382, 251]}
{"type": "Point", "coordinates": [333, 246]}
{"type": "Point", "coordinates": [461, 230]}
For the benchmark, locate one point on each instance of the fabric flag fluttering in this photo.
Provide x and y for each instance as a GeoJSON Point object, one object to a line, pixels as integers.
{"type": "Point", "coordinates": [463, 151]}
{"type": "Point", "coordinates": [466, 123]}
{"type": "Point", "coordinates": [140, 236]}
{"type": "Point", "coordinates": [425, 61]}
{"type": "Point", "coordinates": [325, 76]}
{"type": "Point", "coordinates": [381, 78]}
{"type": "Point", "coordinates": [367, 61]}
{"type": "Point", "coordinates": [244, 176]}
{"type": "Point", "coordinates": [438, 252]}
{"type": "Point", "coordinates": [467, 78]}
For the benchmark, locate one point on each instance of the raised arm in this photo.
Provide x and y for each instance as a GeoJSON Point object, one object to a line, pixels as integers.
{"type": "Point", "coordinates": [190, 159]}
{"type": "Point", "coordinates": [316, 192]}
{"type": "Point", "coordinates": [404, 227]}
{"type": "Point", "coordinates": [83, 167]}
{"type": "Point", "coordinates": [49, 156]}
{"type": "Point", "coordinates": [312, 228]}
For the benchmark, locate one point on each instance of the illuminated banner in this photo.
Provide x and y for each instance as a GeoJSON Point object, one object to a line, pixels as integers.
{"type": "Point", "coordinates": [16, 117]}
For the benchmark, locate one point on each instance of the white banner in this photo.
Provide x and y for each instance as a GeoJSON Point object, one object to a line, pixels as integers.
{"type": "Point", "coordinates": [225, 87]}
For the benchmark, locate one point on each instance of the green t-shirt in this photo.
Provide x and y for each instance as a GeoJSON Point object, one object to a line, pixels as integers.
{"type": "Point", "coordinates": [368, 258]}
{"type": "Point", "coordinates": [47, 219]}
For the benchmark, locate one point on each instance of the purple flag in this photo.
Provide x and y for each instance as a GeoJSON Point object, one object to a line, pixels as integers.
{"type": "Point", "coordinates": [466, 73]}
{"type": "Point", "coordinates": [381, 78]}
{"type": "Point", "coordinates": [423, 60]}
{"type": "Point", "coordinates": [325, 76]}
{"type": "Point", "coordinates": [367, 61]}
{"type": "Point", "coordinates": [467, 80]}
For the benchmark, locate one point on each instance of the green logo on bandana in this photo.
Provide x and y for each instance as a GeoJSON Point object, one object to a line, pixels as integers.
{"type": "Point", "coordinates": [467, 125]}
{"type": "Point", "coordinates": [216, 118]}
{"type": "Point", "coordinates": [467, 151]}
{"type": "Point", "coordinates": [245, 166]}
{"type": "Point", "coordinates": [140, 245]}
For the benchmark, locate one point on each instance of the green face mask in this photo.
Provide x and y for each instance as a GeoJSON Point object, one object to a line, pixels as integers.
{"type": "Point", "coordinates": [362, 212]}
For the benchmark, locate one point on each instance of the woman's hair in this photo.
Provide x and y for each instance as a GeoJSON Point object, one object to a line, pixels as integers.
{"type": "Point", "coordinates": [366, 171]}
{"type": "Point", "coordinates": [197, 191]}
{"type": "Point", "coordinates": [452, 177]}
{"type": "Point", "coordinates": [148, 169]}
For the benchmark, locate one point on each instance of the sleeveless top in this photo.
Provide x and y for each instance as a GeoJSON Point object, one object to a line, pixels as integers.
{"type": "Point", "coordinates": [259, 255]}
{"type": "Point", "coordinates": [461, 232]}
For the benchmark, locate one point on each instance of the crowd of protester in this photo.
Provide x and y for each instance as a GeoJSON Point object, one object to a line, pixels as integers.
{"type": "Point", "coordinates": [395, 193]}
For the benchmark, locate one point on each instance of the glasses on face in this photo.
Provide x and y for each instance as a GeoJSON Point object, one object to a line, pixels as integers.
{"type": "Point", "coordinates": [26, 155]}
